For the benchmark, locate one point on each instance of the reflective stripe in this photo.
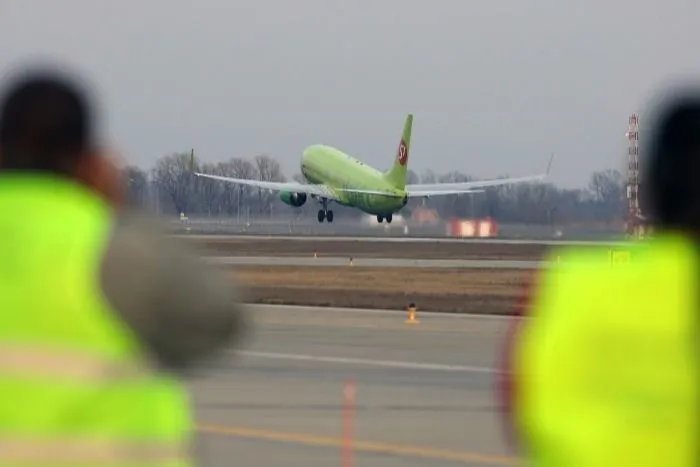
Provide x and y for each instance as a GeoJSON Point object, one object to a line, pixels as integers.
{"type": "Point", "coordinates": [41, 361]}
{"type": "Point", "coordinates": [52, 363]}
{"type": "Point", "coordinates": [82, 451]}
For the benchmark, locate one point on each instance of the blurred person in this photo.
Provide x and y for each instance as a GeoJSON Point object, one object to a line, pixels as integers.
{"type": "Point", "coordinates": [603, 370]}
{"type": "Point", "coordinates": [100, 312]}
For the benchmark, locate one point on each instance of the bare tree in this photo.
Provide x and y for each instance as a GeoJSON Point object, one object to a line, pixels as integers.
{"type": "Point", "coordinates": [245, 169]}
{"type": "Point", "coordinates": [175, 182]}
{"type": "Point", "coordinates": [137, 186]}
{"type": "Point", "coordinates": [607, 188]}
{"type": "Point", "coordinates": [428, 177]}
{"type": "Point", "coordinates": [269, 170]}
{"type": "Point", "coordinates": [179, 190]}
{"type": "Point", "coordinates": [211, 191]}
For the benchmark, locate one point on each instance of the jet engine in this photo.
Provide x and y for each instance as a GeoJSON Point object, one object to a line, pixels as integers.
{"type": "Point", "coordinates": [293, 199]}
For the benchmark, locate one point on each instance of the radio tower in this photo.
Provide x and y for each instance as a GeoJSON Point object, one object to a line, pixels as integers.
{"type": "Point", "coordinates": [633, 211]}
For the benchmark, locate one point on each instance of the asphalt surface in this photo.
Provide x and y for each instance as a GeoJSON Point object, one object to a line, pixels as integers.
{"type": "Point", "coordinates": [424, 392]}
{"type": "Point", "coordinates": [287, 223]}
{"type": "Point", "coordinates": [372, 262]}
{"type": "Point", "coordinates": [338, 238]}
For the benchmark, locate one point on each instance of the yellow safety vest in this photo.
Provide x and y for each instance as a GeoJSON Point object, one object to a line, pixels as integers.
{"type": "Point", "coordinates": [75, 384]}
{"type": "Point", "coordinates": [607, 368]}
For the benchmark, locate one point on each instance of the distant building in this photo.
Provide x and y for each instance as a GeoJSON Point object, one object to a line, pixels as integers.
{"type": "Point", "coordinates": [425, 216]}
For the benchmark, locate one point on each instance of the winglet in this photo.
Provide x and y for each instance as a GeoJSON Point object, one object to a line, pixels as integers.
{"type": "Point", "coordinates": [192, 166]}
{"type": "Point", "coordinates": [549, 165]}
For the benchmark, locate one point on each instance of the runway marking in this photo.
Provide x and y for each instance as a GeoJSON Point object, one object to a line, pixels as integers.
{"type": "Point", "coordinates": [368, 362]}
{"type": "Point", "coordinates": [377, 327]}
{"type": "Point", "coordinates": [323, 309]}
{"type": "Point", "coordinates": [333, 261]}
{"type": "Point", "coordinates": [392, 239]}
{"type": "Point", "coordinates": [358, 445]}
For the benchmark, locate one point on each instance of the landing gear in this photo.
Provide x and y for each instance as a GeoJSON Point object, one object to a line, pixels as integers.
{"type": "Point", "coordinates": [381, 218]}
{"type": "Point", "coordinates": [325, 214]}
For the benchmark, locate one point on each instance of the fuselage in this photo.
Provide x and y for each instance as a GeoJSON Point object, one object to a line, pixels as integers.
{"type": "Point", "coordinates": [327, 165]}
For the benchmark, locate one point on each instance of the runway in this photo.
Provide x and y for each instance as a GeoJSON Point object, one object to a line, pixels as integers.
{"type": "Point", "coordinates": [424, 391]}
{"type": "Point", "coordinates": [373, 262]}
{"type": "Point", "coordinates": [314, 238]}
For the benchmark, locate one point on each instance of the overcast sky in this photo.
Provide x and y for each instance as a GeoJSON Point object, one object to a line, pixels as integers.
{"type": "Point", "coordinates": [495, 86]}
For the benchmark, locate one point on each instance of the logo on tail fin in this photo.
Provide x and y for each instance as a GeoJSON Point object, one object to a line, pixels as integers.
{"type": "Point", "coordinates": [403, 153]}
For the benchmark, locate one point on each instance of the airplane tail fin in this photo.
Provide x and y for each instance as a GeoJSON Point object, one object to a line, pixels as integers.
{"type": "Point", "coordinates": [398, 173]}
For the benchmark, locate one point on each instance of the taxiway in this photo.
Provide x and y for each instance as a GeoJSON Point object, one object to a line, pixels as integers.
{"type": "Point", "coordinates": [387, 239]}
{"type": "Point", "coordinates": [424, 392]}
{"type": "Point", "coordinates": [372, 262]}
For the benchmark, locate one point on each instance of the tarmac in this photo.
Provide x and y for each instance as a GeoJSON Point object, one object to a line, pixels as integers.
{"type": "Point", "coordinates": [287, 223]}
{"type": "Point", "coordinates": [424, 393]}
{"type": "Point", "coordinates": [406, 239]}
{"type": "Point", "coordinates": [373, 262]}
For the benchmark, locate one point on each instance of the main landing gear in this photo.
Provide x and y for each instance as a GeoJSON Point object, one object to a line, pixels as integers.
{"type": "Point", "coordinates": [380, 218]}
{"type": "Point", "coordinates": [325, 214]}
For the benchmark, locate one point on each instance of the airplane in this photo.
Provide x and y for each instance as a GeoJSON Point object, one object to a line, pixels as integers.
{"type": "Point", "coordinates": [336, 177]}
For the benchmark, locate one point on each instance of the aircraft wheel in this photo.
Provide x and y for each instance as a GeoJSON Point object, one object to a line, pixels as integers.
{"type": "Point", "coordinates": [388, 218]}
{"type": "Point", "coordinates": [329, 216]}
{"type": "Point", "coordinates": [321, 215]}
{"type": "Point", "coordinates": [380, 218]}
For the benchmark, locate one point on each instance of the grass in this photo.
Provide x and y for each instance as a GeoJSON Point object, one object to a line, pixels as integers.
{"type": "Point", "coordinates": [404, 280]}
{"type": "Point", "coordinates": [489, 291]}
{"type": "Point", "coordinates": [359, 249]}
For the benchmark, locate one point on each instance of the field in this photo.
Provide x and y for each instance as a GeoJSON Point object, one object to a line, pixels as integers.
{"type": "Point", "coordinates": [484, 291]}
{"type": "Point", "coordinates": [359, 249]}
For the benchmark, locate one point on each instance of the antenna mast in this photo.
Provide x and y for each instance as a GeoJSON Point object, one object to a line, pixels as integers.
{"type": "Point", "coordinates": [634, 225]}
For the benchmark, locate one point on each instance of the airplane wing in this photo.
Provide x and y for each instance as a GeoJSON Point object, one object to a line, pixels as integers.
{"type": "Point", "coordinates": [322, 191]}
{"type": "Point", "coordinates": [437, 189]}
{"type": "Point", "coordinates": [418, 191]}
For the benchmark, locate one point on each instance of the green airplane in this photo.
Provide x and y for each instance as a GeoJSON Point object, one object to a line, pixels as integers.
{"type": "Point", "coordinates": [335, 177]}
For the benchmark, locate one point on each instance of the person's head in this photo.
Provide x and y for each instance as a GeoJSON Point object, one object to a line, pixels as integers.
{"type": "Point", "coordinates": [670, 189]}
{"type": "Point", "coordinates": [47, 126]}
